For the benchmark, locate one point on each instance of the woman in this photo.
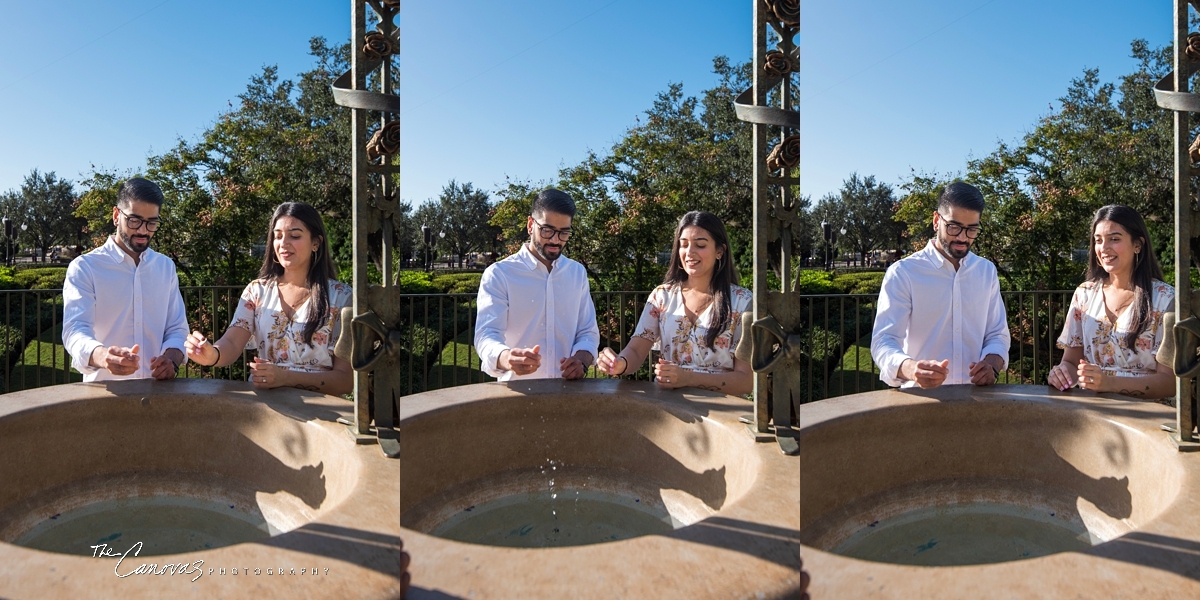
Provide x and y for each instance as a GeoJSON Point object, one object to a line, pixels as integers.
{"type": "Point", "coordinates": [694, 318]}
{"type": "Point", "coordinates": [290, 313]}
{"type": "Point", "coordinates": [1114, 325]}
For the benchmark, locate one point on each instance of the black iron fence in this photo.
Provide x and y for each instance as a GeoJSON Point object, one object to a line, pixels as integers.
{"type": "Point", "coordinates": [439, 332]}
{"type": "Point", "coordinates": [836, 341]}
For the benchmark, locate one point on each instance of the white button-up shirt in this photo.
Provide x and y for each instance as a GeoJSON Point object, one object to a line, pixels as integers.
{"type": "Point", "coordinates": [110, 301]}
{"type": "Point", "coordinates": [521, 305]}
{"type": "Point", "coordinates": [929, 310]}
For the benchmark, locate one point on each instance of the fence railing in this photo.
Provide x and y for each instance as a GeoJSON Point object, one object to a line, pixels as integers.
{"type": "Point", "coordinates": [836, 341]}
{"type": "Point", "coordinates": [438, 329]}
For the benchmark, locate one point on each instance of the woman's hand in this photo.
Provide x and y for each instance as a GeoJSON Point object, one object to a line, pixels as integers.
{"type": "Point", "coordinates": [1060, 377]}
{"type": "Point", "coordinates": [607, 362]}
{"type": "Point", "coordinates": [266, 375]}
{"type": "Point", "coordinates": [200, 349]}
{"type": "Point", "coordinates": [1091, 377]}
{"type": "Point", "coordinates": [670, 375]}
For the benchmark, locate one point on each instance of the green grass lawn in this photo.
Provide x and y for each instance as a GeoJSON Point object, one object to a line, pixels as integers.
{"type": "Point", "coordinates": [44, 358]}
{"type": "Point", "coordinates": [857, 373]}
{"type": "Point", "coordinates": [458, 364]}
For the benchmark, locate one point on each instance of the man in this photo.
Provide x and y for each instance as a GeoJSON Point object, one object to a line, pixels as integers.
{"type": "Point", "coordinates": [122, 301]}
{"type": "Point", "coordinates": [536, 317]}
{"type": "Point", "coordinates": [940, 317]}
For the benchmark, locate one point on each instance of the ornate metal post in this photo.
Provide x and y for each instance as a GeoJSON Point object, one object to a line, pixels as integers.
{"type": "Point", "coordinates": [774, 328]}
{"type": "Point", "coordinates": [1173, 92]}
{"type": "Point", "coordinates": [369, 339]}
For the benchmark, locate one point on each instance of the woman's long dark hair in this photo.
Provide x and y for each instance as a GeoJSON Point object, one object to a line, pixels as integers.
{"type": "Point", "coordinates": [320, 269]}
{"type": "Point", "coordinates": [1145, 266]}
{"type": "Point", "coordinates": [724, 275]}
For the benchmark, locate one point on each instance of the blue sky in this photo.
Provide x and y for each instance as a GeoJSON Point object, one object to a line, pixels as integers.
{"type": "Point", "coordinates": [521, 88]}
{"type": "Point", "coordinates": [925, 84]}
{"type": "Point", "coordinates": [490, 89]}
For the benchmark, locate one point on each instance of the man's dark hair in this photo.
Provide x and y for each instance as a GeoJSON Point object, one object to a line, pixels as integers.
{"type": "Point", "coordinates": [142, 190]}
{"type": "Point", "coordinates": [961, 195]}
{"type": "Point", "coordinates": [552, 200]}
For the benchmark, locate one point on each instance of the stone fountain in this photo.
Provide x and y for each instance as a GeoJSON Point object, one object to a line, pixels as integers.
{"type": "Point", "coordinates": [191, 489]}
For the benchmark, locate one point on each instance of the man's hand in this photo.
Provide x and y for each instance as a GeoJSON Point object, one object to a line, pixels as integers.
{"type": "Point", "coordinates": [117, 360]}
{"type": "Point", "coordinates": [572, 368]}
{"type": "Point", "coordinates": [521, 361]}
{"type": "Point", "coordinates": [982, 373]}
{"type": "Point", "coordinates": [162, 367]}
{"type": "Point", "coordinates": [927, 373]}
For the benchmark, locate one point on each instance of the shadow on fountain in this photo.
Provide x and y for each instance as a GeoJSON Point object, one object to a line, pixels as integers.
{"type": "Point", "coordinates": [779, 545]}
{"type": "Point", "coordinates": [1166, 553]}
{"type": "Point", "coordinates": [307, 483]}
{"type": "Point", "coordinates": [373, 550]}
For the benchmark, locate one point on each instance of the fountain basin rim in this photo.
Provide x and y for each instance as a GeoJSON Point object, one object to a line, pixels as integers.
{"type": "Point", "coordinates": [765, 520]}
{"type": "Point", "coordinates": [348, 537]}
{"type": "Point", "coordinates": [1158, 557]}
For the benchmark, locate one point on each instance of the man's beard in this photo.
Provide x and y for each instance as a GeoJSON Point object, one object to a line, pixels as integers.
{"type": "Point", "coordinates": [956, 254]}
{"type": "Point", "coordinates": [548, 254]}
{"type": "Point", "coordinates": [127, 239]}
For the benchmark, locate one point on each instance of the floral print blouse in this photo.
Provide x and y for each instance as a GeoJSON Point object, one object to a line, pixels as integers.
{"type": "Point", "coordinates": [279, 339]}
{"type": "Point", "coordinates": [682, 341]}
{"type": "Point", "coordinates": [1103, 341]}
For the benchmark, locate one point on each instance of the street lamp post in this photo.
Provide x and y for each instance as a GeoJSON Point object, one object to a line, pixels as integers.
{"type": "Point", "coordinates": [831, 237]}
{"type": "Point", "coordinates": [843, 231]}
{"type": "Point", "coordinates": [425, 255]}
{"type": "Point", "coordinates": [8, 234]}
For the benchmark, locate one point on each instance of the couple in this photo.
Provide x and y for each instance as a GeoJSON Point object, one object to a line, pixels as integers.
{"type": "Point", "coordinates": [537, 319]}
{"type": "Point", "coordinates": [941, 320]}
{"type": "Point", "coordinates": [122, 301]}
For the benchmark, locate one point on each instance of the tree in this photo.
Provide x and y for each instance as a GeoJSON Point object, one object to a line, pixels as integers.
{"type": "Point", "coordinates": [830, 210]}
{"type": "Point", "coordinates": [47, 206]}
{"type": "Point", "coordinates": [868, 207]}
{"type": "Point", "coordinates": [1106, 144]}
{"type": "Point", "coordinates": [284, 141]}
{"type": "Point", "coordinates": [428, 217]}
{"type": "Point", "coordinates": [464, 217]}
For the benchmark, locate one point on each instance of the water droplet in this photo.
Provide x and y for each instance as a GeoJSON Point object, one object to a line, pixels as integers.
{"type": "Point", "coordinates": [553, 496]}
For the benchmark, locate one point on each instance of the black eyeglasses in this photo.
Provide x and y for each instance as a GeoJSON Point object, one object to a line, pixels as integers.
{"type": "Point", "coordinates": [547, 232]}
{"type": "Point", "coordinates": [953, 229]}
{"type": "Point", "coordinates": [135, 222]}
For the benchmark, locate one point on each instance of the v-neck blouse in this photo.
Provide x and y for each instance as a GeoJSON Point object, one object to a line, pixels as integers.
{"type": "Point", "coordinates": [665, 322]}
{"type": "Point", "coordinates": [1088, 326]}
{"type": "Point", "coordinates": [280, 339]}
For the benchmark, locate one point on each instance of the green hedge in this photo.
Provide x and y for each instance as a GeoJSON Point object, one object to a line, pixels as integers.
{"type": "Point", "coordinates": [816, 282]}
{"type": "Point", "coordinates": [7, 279]}
{"type": "Point", "coordinates": [859, 283]}
{"type": "Point", "coordinates": [41, 278]}
{"type": "Point", "coordinates": [457, 283]}
{"type": "Point", "coordinates": [415, 282]}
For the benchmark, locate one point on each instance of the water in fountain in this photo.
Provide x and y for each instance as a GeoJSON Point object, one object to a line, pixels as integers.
{"type": "Point", "coordinates": [543, 519]}
{"type": "Point", "coordinates": [967, 534]}
{"type": "Point", "coordinates": [163, 524]}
